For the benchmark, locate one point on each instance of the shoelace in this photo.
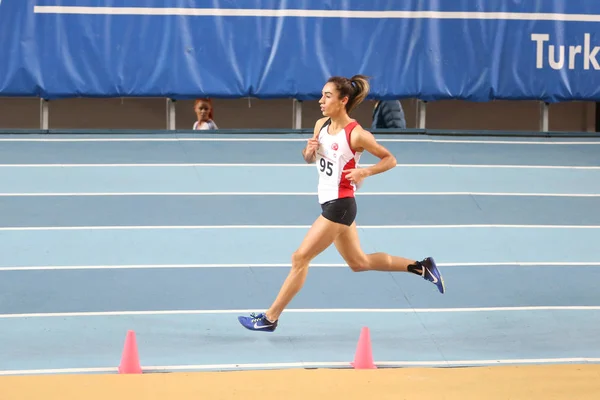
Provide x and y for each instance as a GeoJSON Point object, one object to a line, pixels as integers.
{"type": "Point", "coordinates": [256, 318]}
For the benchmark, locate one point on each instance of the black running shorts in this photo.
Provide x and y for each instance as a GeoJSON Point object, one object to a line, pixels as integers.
{"type": "Point", "coordinates": [342, 211]}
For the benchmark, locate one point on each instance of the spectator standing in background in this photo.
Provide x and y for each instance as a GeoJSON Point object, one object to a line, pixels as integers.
{"type": "Point", "coordinates": [204, 115]}
{"type": "Point", "coordinates": [388, 114]}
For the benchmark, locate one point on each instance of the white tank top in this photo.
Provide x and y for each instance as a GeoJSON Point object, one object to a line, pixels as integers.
{"type": "Point", "coordinates": [334, 155]}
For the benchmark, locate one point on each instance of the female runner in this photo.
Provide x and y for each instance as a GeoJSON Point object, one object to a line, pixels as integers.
{"type": "Point", "coordinates": [336, 146]}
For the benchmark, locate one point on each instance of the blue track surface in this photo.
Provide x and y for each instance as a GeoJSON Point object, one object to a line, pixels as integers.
{"type": "Point", "coordinates": [176, 248]}
{"type": "Point", "coordinates": [298, 210]}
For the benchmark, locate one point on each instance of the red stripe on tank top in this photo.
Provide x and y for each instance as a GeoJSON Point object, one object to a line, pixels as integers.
{"type": "Point", "coordinates": [345, 188]}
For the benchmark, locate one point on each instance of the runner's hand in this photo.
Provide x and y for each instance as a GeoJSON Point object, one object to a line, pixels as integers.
{"type": "Point", "coordinates": [356, 175]}
{"type": "Point", "coordinates": [312, 146]}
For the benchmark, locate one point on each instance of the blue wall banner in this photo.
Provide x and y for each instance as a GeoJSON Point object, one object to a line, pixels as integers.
{"type": "Point", "coordinates": [462, 49]}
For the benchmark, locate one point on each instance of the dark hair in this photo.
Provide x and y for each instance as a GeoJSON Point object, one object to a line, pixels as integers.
{"type": "Point", "coordinates": [356, 88]}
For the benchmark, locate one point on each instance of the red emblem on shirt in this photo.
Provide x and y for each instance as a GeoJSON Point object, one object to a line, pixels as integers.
{"type": "Point", "coordinates": [334, 146]}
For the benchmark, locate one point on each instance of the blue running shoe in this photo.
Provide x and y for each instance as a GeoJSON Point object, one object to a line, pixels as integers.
{"type": "Point", "coordinates": [432, 274]}
{"type": "Point", "coordinates": [258, 322]}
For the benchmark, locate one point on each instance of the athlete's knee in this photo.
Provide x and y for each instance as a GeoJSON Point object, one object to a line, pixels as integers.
{"type": "Point", "coordinates": [358, 264]}
{"type": "Point", "coordinates": [300, 259]}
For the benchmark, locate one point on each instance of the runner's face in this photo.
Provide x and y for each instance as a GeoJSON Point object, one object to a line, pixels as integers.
{"type": "Point", "coordinates": [330, 103]}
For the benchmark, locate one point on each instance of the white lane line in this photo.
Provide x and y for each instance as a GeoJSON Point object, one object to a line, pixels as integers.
{"type": "Point", "coordinates": [146, 165]}
{"type": "Point", "coordinates": [263, 165]}
{"type": "Point", "coordinates": [307, 364]}
{"type": "Point", "coordinates": [284, 265]}
{"type": "Point", "coordinates": [290, 165]}
{"type": "Point", "coordinates": [499, 194]}
{"type": "Point", "coordinates": [542, 141]}
{"type": "Point", "coordinates": [306, 310]}
{"type": "Point", "coordinates": [211, 227]}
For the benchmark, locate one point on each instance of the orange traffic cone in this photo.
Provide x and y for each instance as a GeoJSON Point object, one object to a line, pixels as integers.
{"type": "Point", "coordinates": [130, 361]}
{"type": "Point", "coordinates": [363, 359]}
